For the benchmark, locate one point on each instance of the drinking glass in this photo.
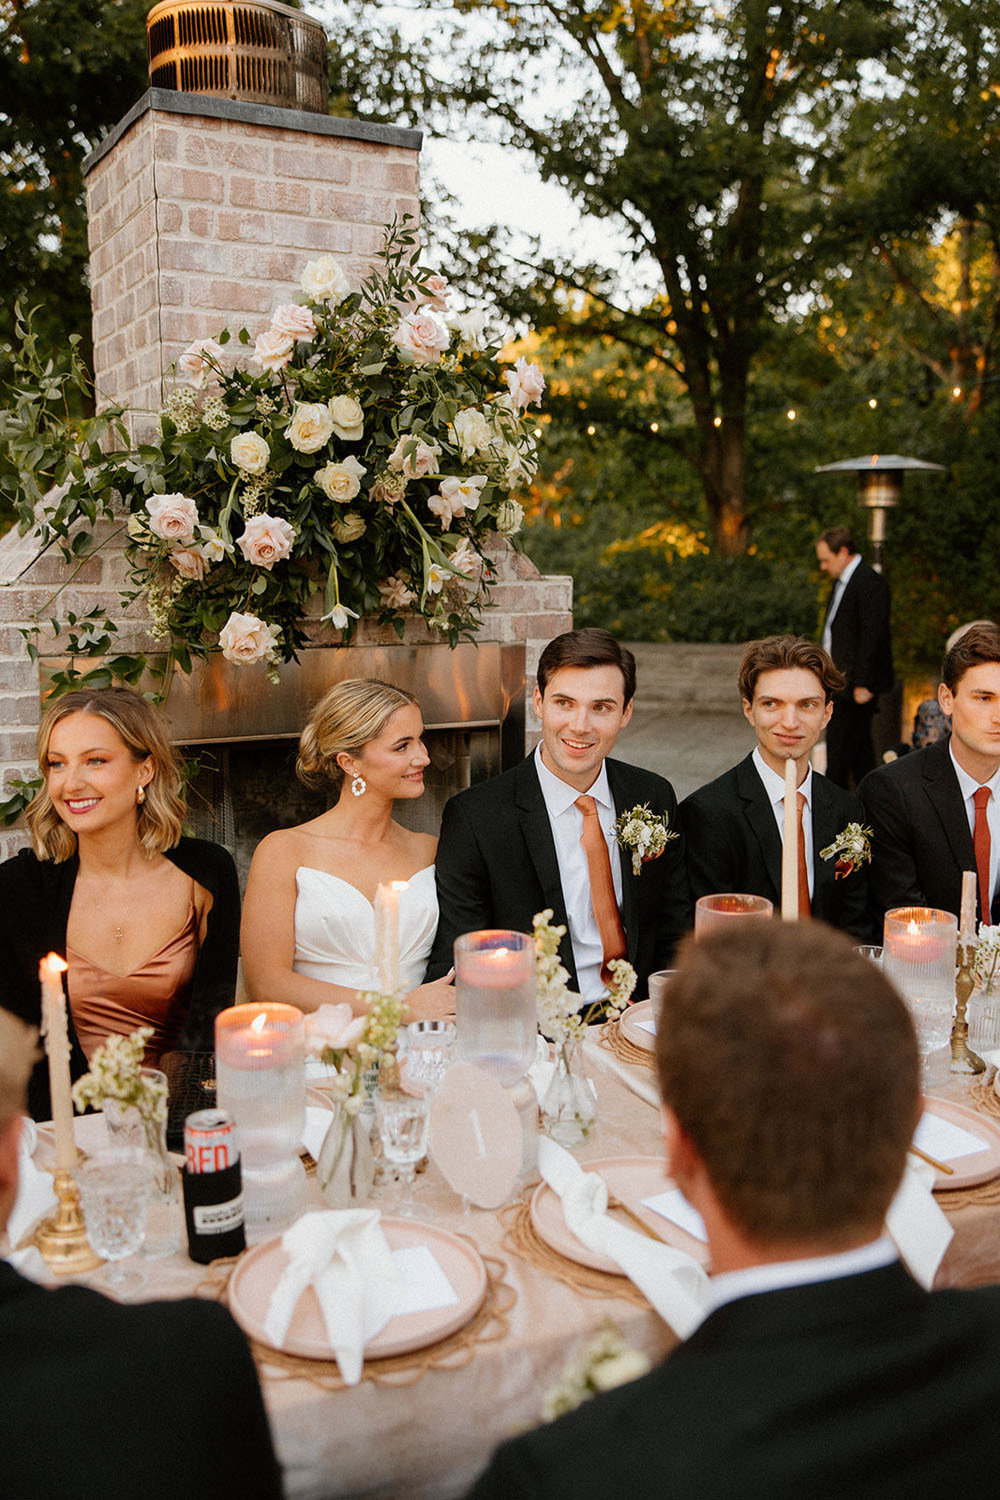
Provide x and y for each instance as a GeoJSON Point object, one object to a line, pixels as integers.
{"type": "Point", "coordinates": [932, 1014]}
{"type": "Point", "coordinates": [115, 1186]}
{"type": "Point", "coordinates": [429, 1053]}
{"type": "Point", "coordinates": [872, 951]}
{"type": "Point", "coordinates": [402, 1125]}
{"type": "Point", "coordinates": [732, 906]}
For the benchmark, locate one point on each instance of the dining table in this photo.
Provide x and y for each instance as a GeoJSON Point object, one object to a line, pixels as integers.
{"type": "Point", "coordinates": [424, 1427]}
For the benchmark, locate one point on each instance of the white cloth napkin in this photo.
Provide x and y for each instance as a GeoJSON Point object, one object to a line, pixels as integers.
{"type": "Point", "coordinates": [673, 1282]}
{"type": "Point", "coordinates": [344, 1255]}
{"type": "Point", "coordinates": [916, 1224]}
{"type": "Point", "coordinates": [640, 1080]}
{"type": "Point", "coordinates": [35, 1197]}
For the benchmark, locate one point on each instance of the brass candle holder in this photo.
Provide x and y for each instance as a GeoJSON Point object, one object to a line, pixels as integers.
{"type": "Point", "coordinates": [62, 1238]}
{"type": "Point", "coordinates": [963, 1059]}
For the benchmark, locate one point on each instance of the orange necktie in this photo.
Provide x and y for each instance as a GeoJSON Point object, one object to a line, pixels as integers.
{"type": "Point", "coordinates": [805, 906]}
{"type": "Point", "coordinates": [981, 845]}
{"type": "Point", "coordinates": [602, 886]}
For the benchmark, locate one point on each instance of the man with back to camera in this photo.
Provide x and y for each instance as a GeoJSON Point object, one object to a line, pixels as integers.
{"type": "Point", "coordinates": [935, 813]}
{"type": "Point", "coordinates": [159, 1399]}
{"type": "Point", "coordinates": [518, 843]}
{"type": "Point", "coordinates": [790, 1082]}
{"type": "Point", "coordinates": [856, 634]}
{"type": "Point", "coordinates": [734, 825]}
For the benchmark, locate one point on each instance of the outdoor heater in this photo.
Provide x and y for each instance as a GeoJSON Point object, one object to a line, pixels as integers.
{"type": "Point", "coordinates": [254, 50]}
{"type": "Point", "coordinates": [880, 487]}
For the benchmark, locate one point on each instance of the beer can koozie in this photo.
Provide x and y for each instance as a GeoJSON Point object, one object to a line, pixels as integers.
{"type": "Point", "coordinates": [213, 1189]}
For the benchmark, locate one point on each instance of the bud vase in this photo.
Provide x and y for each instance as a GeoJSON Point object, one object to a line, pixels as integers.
{"type": "Point", "coordinates": [569, 1107]}
{"type": "Point", "coordinates": [345, 1170]}
{"type": "Point", "coordinates": [127, 1126]}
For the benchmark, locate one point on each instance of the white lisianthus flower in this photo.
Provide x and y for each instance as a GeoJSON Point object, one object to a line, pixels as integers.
{"type": "Point", "coordinates": [211, 546]}
{"type": "Point", "coordinates": [249, 452]}
{"type": "Point", "coordinates": [333, 1026]}
{"type": "Point", "coordinates": [510, 515]}
{"type": "Point", "coordinates": [472, 431]}
{"type": "Point", "coordinates": [349, 527]}
{"type": "Point", "coordinates": [245, 639]}
{"type": "Point", "coordinates": [348, 417]}
{"type": "Point", "coordinates": [340, 615]}
{"type": "Point", "coordinates": [266, 540]}
{"type": "Point", "coordinates": [455, 497]}
{"type": "Point", "coordinates": [273, 350]}
{"type": "Point", "coordinates": [311, 426]}
{"type": "Point", "coordinates": [422, 336]}
{"type": "Point", "coordinates": [324, 281]}
{"type": "Point", "coordinates": [293, 322]}
{"type": "Point", "coordinates": [341, 482]}
{"type": "Point", "coordinates": [471, 330]}
{"type": "Point", "coordinates": [172, 517]}
{"type": "Point", "coordinates": [197, 363]}
{"type": "Point", "coordinates": [436, 578]}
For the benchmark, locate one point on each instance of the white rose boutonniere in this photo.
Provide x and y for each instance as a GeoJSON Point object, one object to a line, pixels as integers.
{"type": "Point", "coordinates": [851, 849]}
{"type": "Point", "coordinates": [643, 834]}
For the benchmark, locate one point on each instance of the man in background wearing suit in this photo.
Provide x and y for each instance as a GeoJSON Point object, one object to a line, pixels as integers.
{"type": "Point", "coordinates": [790, 1082]}
{"type": "Point", "coordinates": [521, 842]}
{"type": "Point", "coordinates": [159, 1399]}
{"type": "Point", "coordinates": [856, 634]}
{"type": "Point", "coordinates": [935, 812]}
{"type": "Point", "coordinates": [734, 826]}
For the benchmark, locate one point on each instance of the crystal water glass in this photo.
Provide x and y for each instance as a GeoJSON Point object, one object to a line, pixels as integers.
{"type": "Point", "coordinates": [115, 1187]}
{"type": "Point", "coordinates": [402, 1127]}
{"type": "Point", "coordinates": [430, 1045]}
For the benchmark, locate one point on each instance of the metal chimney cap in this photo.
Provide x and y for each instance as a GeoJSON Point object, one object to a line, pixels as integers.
{"type": "Point", "coordinates": [876, 461]}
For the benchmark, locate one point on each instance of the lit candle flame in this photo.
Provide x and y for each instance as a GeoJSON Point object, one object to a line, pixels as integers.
{"type": "Point", "coordinates": [52, 965]}
{"type": "Point", "coordinates": [914, 928]}
{"type": "Point", "coordinates": [259, 1022]}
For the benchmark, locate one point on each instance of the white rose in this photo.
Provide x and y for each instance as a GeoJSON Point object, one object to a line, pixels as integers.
{"type": "Point", "coordinates": [249, 452]}
{"type": "Point", "coordinates": [413, 457]}
{"type": "Point", "coordinates": [472, 431]}
{"type": "Point", "coordinates": [465, 559]}
{"type": "Point", "coordinates": [245, 639]}
{"type": "Point", "coordinates": [471, 330]}
{"type": "Point", "coordinates": [273, 350]}
{"type": "Point", "coordinates": [341, 482]}
{"type": "Point", "coordinates": [291, 321]}
{"type": "Point", "coordinates": [348, 417]}
{"type": "Point", "coordinates": [189, 563]}
{"type": "Point", "coordinates": [423, 335]}
{"type": "Point", "coordinates": [350, 527]}
{"type": "Point", "coordinates": [395, 593]}
{"type": "Point", "coordinates": [311, 426]}
{"type": "Point", "coordinates": [194, 364]}
{"type": "Point", "coordinates": [324, 281]}
{"type": "Point", "coordinates": [172, 517]}
{"type": "Point", "coordinates": [525, 384]}
{"type": "Point", "coordinates": [266, 540]}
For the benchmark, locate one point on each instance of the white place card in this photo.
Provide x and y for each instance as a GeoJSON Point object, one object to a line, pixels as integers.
{"type": "Point", "coordinates": [644, 1025]}
{"type": "Point", "coordinates": [425, 1285]}
{"type": "Point", "coordinates": [940, 1138]}
{"type": "Point", "coordinates": [673, 1205]}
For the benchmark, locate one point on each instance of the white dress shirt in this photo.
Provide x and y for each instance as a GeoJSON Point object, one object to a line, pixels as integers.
{"type": "Point", "coordinates": [968, 786]}
{"type": "Point", "coordinates": [839, 586]}
{"type": "Point", "coordinates": [774, 786]}
{"type": "Point", "coordinates": [566, 822]}
{"type": "Point", "coordinates": [731, 1285]}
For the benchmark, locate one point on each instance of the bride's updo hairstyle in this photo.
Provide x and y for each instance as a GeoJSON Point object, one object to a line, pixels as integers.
{"type": "Point", "coordinates": [160, 818]}
{"type": "Point", "coordinates": [350, 714]}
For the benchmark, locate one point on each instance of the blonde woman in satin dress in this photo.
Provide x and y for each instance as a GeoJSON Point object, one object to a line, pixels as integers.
{"type": "Point", "coordinates": [308, 935]}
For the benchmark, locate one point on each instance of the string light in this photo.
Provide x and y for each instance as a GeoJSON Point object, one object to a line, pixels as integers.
{"type": "Point", "coordinates": [591, 430]}
{"type": "Point", "coordinates": [654, 426]}
{"type": "Point", "coordinates": [791, 414]}
{"type": "Point", "coordinates": [716, 421]}
{"type": "Point", "coordinates": [872, 402]}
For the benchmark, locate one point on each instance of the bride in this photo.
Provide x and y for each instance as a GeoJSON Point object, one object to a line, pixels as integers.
{"type": "Point", "coordinates": [308, 935]}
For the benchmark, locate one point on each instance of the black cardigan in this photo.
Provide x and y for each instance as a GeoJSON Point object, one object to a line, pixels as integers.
{"type": "Point", "coordinates": [35, 897]}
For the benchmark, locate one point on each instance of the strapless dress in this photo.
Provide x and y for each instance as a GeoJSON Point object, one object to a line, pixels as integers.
{"type": "Point", "coordinates": [335, 929]}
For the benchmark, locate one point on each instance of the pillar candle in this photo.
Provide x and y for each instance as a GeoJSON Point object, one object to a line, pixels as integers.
{"type": "Point", "coordinates": [56, 1034]}
{"type": "Point", "coordinates": [790, 846]}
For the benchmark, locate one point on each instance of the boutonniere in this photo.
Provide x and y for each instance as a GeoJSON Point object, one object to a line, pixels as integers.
{"type": "Point", "coordinates": [643, 834]}
{"type": "Point", "coordinates": [851, 848]}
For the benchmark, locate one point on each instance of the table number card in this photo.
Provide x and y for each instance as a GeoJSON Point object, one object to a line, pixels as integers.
{"type": "Point", "coordinates": [475, 1136]}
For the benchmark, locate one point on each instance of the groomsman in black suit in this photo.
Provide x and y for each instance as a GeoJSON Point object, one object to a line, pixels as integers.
{"type": "Point", "coordinates": [856, 634]}
{"type": "Point", "coordinates": [734, 826]}
{"type": "Point", "coordinates": [790, 1082]}
{"type": "Point", "coordinates": [158, 1399]}
{"type": "Point", "coordinates": [541, 835]}
{"type": "Point", "coordinates": [935, 812]}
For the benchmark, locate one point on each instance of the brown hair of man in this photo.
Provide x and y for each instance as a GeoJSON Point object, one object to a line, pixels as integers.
{"type": "Point", "coordinates": [838, 537]}
{"type": "Point", "coordinates": [977, 647]}
{"type": "Point", "coordinates": [791, 1065]}
{"type": "Point", "coordinates": [18, 1051]}
{"type": "Point", "coordinates": [779, 653]}
{"type": "Point", "coordinates": [590, 647]}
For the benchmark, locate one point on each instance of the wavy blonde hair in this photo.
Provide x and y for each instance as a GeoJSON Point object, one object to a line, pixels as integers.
{"type": "Point", "coordinates": [143, 728]}
{"type": "Point", "coordinates": [345, 719]}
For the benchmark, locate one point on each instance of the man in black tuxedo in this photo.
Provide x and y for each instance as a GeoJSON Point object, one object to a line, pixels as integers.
{"type": "Point", "coordinates": [734, 826]}
{"type": "Point", "coordinates": [856, 634]}
{"type": "Point", "coordinates": [96, 1398]}
{"type": "Point", "coordinates": [511, 846]}
{"type": "Point", "coordinates": [790, 1079]}
{"type": "Point", "coordinates": [922, 807]}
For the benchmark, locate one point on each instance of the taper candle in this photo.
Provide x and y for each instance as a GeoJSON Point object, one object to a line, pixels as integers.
{"type": "Point", "coordinates": [790, 845]}
{"type": "Point", "coordinates": [56, 1034]}
{"type": "Point", "coordinates": [387, 935]}
{"type": "Point", "coordinates": [967, 921]}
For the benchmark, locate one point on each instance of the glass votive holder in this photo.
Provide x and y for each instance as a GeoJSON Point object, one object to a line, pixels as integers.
{"type": "Point", "coordinates": [722, 910]}
{"type": "Point", "coordinates": [918, 951]}
{"type": "Point", "coordinates": [496, 1015]}
{"type": "Point", "coordinates": [260, 1076]}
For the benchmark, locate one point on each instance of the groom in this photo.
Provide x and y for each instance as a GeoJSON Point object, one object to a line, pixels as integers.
{"type": "Point", "coordinates": [540, 835]}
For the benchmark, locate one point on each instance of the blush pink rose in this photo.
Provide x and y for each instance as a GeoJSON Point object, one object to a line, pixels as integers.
{"type": "Point", "coordinates": [435, 292]}
{"type": "Point", "coordinates": [189, 564]}
{"type": "Point", "coordinates": [194, 364]}
{"type": "Point", "coordinates": [293, 322]}
{"type": "Point", "coordinates": [413, 457]}
{"type": "Point", "coordinates": [273, 350]}
{"type": "Point", "coordinates": [423, 335]}
{"type": "Point", "coordinates": [172, 517]}
{"type": "Point", "coordinates": [526, 384]}
{"type": "Point", "coordinates": [266, 540]}
{"type": "Point", "coordinates": [245, 639]}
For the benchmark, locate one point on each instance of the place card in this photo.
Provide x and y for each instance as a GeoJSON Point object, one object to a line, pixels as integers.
{"type": "Point", "coordinates": [425, 1285]}
{"type": "Point", "coordinates": [645, 1025]}
{"type": "Point", "coordinates": [945, 1141]}
{"type": "Point", "coordinates": [673, 1205]}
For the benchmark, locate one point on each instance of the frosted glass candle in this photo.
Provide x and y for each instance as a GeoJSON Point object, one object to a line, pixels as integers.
{"type": "Point", "coordinates": [918, 950]}
{"type": "Point", "coordinates": [495, 1010]}
{"type": "Point", "coordinates": [722, 910]}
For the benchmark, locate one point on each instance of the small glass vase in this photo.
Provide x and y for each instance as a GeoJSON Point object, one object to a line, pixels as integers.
{"type": "Point", "coordinates": [984, 1017]}
{"type": "Point", "coordinates": [345, 1170]}
{"type": "Point", "coordinates": [569, 1107]}
{"type": "Point", "coordinates": [126, 1126]}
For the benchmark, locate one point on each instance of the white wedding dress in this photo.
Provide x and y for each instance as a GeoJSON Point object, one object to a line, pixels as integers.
{"type": "Point", "coordinates": [335, 929]}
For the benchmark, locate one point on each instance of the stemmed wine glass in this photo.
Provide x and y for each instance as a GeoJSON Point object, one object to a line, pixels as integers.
{"type": "Point", "coordinates": [429, 1052]}
{"type": "Point", "coordinates": [402, 1125]}
{"type": "Point", "coordinates": [115, 1188]}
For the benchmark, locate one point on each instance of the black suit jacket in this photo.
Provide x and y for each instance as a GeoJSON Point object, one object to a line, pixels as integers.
{"type": "Point", "coordinates": [922, 839]}
{"type": "Point", "coordinates": [864, 1388]}
{"type": "Point", "coordinates": [158, 1399]}
{"type": "Point", "coordinates": [860, 643]}
{"type": "Point", "coordinates": [496, 867]}
{"type": "Point", "coordinates": [733, 844]}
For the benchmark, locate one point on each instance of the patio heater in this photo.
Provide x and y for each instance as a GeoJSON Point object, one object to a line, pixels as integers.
{"type": "Point", "coordinates": [880, 487]}
{"type": "Point", "coordinates": [257, 51]}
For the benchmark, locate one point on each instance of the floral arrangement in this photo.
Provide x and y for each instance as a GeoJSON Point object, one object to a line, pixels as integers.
{"type": "Point", "coordinates": [984, 965]}
{"type": "Point", "coordinates": [116, 1073]}
{"type": "Point", "coordinates": [851, 849]}
{"type": "Point", "coordinates": [605, 1363]}
{"type": "Point", "coordinates": [359, 449]}
{"type": "Point", "coordinates": [350, 1044]}
{"type": "Point", "coordinates": [559, 1016]}
{"type": "Point", "coordinates": [642, 832]}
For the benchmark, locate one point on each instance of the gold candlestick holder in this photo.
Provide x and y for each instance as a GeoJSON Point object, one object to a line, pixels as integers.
{"type": "Point", "coordinates": [963, 1059]}
{"type": "Point", "coordinates": [62, 1238]}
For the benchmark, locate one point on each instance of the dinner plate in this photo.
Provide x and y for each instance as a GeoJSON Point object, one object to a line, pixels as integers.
{"type": "Point", "coordinates": [630, 1028]}
{"type": "Point", "coordinates": [980, 1166]}
{"type": "Point", "coordinates": [630, 1178]}
{"type": "Point", "coordinates": [256, 1275]}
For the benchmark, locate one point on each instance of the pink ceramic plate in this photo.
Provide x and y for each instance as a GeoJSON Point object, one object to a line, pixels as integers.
{"type": "Point", "coordinates": [256, 1276]}
{"type": "Point", "coordinates": [630, 1179]}
{"type": "Point", "coordinates": [982, 1166]}
{"type": "Point", "coordinates": [630, 1028]}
